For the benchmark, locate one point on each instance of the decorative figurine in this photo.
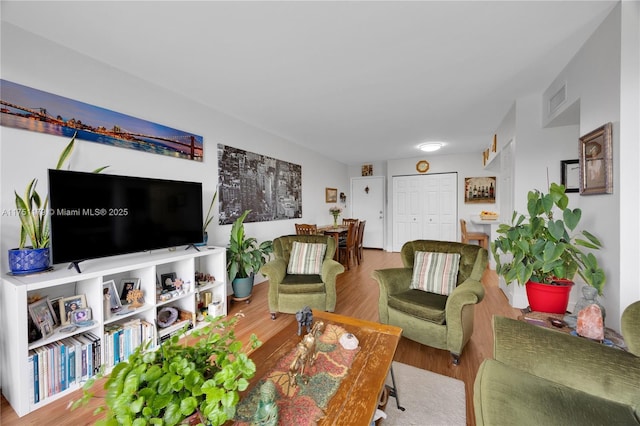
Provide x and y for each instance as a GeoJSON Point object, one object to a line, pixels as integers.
{"type": "Point", "coordinates": [305, 319]}
{"type": "Point", "coordinates": [267, 412]}
{"type": "Point", "coordinates": [135, 298]}
{"type": "Point", "coordinates": [296, 369]}
{"type": "Point", "coordinates": [306, 353]}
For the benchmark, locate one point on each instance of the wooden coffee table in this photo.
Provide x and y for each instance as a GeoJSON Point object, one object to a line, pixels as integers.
{"type": "Point", "coordinates": [356, 400]}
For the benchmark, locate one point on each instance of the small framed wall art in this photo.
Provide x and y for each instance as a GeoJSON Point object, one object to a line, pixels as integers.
{"type": "Point", "coordinates": [596, 162]}
{"type": "Point", "coordinates": [331, 195]}
{"type": "Point", "coordinates": [480, 190]}
{"type": "Point", "coordinates": [570, 175]}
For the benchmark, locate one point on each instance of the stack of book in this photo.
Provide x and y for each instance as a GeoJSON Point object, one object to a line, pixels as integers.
{"type": "Point", "coordinates": [57, 366]}
{"type": "Point", "coordinates": [122, 339]}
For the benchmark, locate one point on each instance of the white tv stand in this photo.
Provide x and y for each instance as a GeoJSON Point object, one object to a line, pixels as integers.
{"type": "Point", "coordinates": [64, 282]}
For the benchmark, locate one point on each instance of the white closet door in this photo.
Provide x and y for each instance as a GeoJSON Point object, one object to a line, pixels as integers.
{"type": "Point", "coordinates": [424, 207]}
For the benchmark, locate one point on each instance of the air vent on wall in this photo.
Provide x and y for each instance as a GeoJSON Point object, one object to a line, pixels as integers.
{"type": "Point", "coordinates": [557, 99]}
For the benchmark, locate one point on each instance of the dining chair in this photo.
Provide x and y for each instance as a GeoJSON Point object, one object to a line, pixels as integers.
{"type": "Point", "coordinates": [346, 221]}
{"type": "Point", "coordinates": [359, 247]}
{"type": "Point", "coordinates": [480, 237]}
{"type": "Point", "coordinates": [306, 229]}
{"type": "Point", "coordinates": [347, 249]}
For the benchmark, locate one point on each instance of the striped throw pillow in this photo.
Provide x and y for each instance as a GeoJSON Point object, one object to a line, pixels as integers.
{"type": "Point", "coordinates": [306, 258]}
{"type": "Point", "coordinates": [435, 272]}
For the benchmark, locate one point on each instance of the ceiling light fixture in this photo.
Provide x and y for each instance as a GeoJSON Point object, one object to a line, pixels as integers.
{"type": "Point", "coordinates": [430, 146]}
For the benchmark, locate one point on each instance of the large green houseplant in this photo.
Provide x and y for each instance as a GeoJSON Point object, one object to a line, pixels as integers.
{"type": "Point", "coordinates": [178, 381]}
{"type": "Point", "coordinates": [34, 224]}
{"type": "Point", "coordinates": [545, 248]}
{"type": "Point", "coordinates": [244, 257]}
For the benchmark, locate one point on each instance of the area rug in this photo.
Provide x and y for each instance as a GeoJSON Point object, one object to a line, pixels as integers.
{"type": "Point", "coordinates": [428, 398]}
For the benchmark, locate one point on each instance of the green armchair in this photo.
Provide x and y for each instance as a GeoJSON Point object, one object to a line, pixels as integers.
{"type": "Point", "coordinates": [289, 293]}
{"type": "Point", "coordinates": [540, 376]}
{"type": "Point", "coordinates": [443, 322]}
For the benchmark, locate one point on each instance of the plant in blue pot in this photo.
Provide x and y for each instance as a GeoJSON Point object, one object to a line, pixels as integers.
{"type": "Point", "coordinates": [34, 225]}
{"type": "Point", "coordinates": [244, 257]}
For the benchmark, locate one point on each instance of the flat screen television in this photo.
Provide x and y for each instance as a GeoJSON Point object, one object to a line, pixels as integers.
{"type": "Point", "coordinates": [98, 214]}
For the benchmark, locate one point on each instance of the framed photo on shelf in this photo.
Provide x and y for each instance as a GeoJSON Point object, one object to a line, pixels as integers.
{"type": "Point", "coordinates": [80, 315]}
{"type": "Point", "coordinates": [331, 195]}
{"type": "Point", "coordinates": [570, 175]}
{"type": "Point", "coordinates": [596, 162]}
{"type": "Point", "coordinates": [46, 328]}
{"type": "Point", "coordinates": [167, 281]}
{"type": "Point", "coordinates": [110, 291]}
{"type": "Point", "coordinates": [70, 304]}
{"type": "Point", "coordinates": [55, 304]}
{"type": "Point", "coordinates": [127, 285]}
{"type": "Point", "coordinates": [41, 312]}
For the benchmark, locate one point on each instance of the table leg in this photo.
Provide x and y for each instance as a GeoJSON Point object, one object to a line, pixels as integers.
{"type": "Point", "coordinates": [393, 391]}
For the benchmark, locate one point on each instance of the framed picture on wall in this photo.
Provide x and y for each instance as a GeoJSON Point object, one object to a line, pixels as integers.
{"type": "Point", "coordinates": [596, 162]}
{"type": "Point", "coordinates": [331, 195]}
{"type": "Point", "coordinates": [480, 190]}
{"type": "Point", "coordinates": [570, 175]}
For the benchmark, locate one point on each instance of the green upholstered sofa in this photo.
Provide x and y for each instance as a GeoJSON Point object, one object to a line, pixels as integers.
{"type": "Point", "coordinates": [443, 322]}
{"type": "Point", "coordinates": [290, 293]}
{"type": "Point", "coordinates": [540, 376]}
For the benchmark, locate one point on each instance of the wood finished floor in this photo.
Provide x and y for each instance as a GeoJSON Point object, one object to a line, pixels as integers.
{"type": "Point", "coordinates": [357, 297]}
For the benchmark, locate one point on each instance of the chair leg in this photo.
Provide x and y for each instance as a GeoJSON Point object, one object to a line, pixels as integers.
{"type": "Point", "coordinates": [273, 316]}
{"type": "Point", "coordinates": [455, 359]}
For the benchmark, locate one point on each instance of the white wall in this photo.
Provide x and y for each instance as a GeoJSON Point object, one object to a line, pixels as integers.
{"type": "Point", "coordinates": [32, 61]}
{"type": "Point", "coordinates": [602, 83]}
{"type": "Point", "coordinates": [538, 152]}
{"type": "Point", "coordinates": [629, 158]}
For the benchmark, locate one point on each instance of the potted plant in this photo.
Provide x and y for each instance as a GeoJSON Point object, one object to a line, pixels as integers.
{"type": "Point", "coordinates": [207, 220]}
{"type": "Point", "coordinates": [34, 224]}
{"type": "Point", "coordinates": [546, 252]}
{"type": "Point", "coordinates": [178, 382]}
{"type": "Point", "coordinates": [244, 257]}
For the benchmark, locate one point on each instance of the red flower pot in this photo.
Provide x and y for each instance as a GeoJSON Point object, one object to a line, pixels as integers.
{"type": "Point", "coordinates": [551, 298]}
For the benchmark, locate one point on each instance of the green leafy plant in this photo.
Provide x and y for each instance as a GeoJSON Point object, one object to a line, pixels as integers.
{"type": "Point", "coordinates": [178, 380]}
{"type": "Point", "coordinates": [209, 217]}
{"type": "Point", "coordinates": [245, 255]}
{"type": "Point", "coordinates": [543, 248]}
{"type": "Point", "coordinates": [34, 222]}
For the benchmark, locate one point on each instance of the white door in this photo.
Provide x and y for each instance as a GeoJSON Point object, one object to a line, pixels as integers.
{"type": "Point", "coordinates": [424, 207]}
{"type": "Point", "coordinates": [367, 194]}
{"type": "Point", "coordinates": [407, 218]}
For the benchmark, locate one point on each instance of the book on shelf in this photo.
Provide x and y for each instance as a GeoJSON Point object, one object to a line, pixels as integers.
{"type": "Point", "coordinates": [33, 377]}
{"type": "Point", "coordinates": [173, 329]}
{"type": "Point", "coordinates": [60, 365]}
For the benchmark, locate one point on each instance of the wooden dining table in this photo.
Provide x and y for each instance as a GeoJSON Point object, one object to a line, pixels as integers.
{"type": "Point", "coordinates": [336, 232]}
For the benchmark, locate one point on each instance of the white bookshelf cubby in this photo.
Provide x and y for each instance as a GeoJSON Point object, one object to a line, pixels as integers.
{"type": "Point", "coordinates": [15, 292]}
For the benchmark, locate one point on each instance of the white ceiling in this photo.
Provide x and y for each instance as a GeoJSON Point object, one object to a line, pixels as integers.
{"type": "Point", "coordinates": [358, 81]}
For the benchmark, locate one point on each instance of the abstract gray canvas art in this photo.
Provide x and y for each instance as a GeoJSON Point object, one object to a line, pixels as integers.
{"type": "Point", "coordinates": [270, 188]}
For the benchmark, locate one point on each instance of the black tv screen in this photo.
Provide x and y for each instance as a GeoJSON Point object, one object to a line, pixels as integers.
{"type": "Point", "coordinates": [97, 214]}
